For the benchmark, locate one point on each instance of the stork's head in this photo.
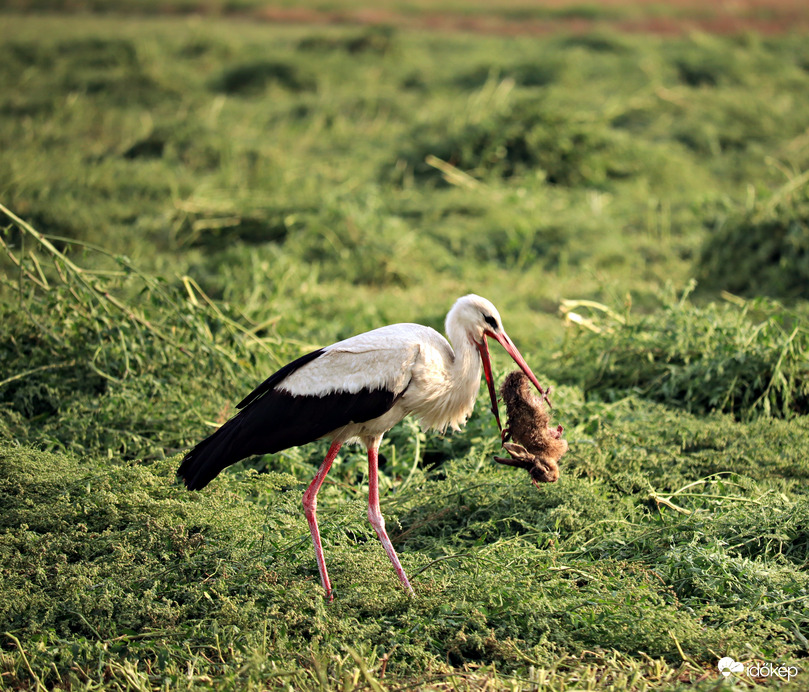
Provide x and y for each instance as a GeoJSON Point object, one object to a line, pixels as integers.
{"type": "Point", "coordinates": [475, 316]}
{"type": "Point", "coordinates": [479, 319]}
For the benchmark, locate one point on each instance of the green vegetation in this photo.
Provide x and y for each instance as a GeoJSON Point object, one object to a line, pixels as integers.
{"type": "Point", "coordinates": [187, 204]}
{"type": "Point", "coordinates": [764, 249]}
{"type": "Point", "coordinates": [747, 359]}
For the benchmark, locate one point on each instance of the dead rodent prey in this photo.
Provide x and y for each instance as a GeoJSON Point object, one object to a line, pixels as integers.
{"type": "Point", "coordinates": [537, 447]}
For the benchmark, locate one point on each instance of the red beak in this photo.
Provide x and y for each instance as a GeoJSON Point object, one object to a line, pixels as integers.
{"type": "Point", "coordinates": [511, 349]}
{"type": "Point", "coordinates": [483, 347]}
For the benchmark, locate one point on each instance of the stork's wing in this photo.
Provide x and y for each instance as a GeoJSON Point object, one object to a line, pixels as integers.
{"type": "Point", "coordinates": [381, 359]}
{"type": "Point", "coordinates": [277, 377]}
{"type": "Point", "coordinates": [353, 381]}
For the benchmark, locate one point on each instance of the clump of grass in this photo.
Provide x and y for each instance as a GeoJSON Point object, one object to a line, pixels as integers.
{"type": "Point", "coordinates": [732, 128]}
{"type": "Point", "coordinates": [253, 78]}
{"type": "Point", "coordinates": [104, 68]}
{"type": "Point", "coordinates": [707, 68]}
{"type": "Point", "coordinates": [357, 239]}
{"type": "Point", "coordinates": [538, 73]}
{"type": "Point", "coordinates": [763, 250]}
{"type": "Point", "coordinates": [597, 42]}
{"type": "Point", "coordinates": [378, 41]}
{"type": "Point", "coordinates": [528, 136]}
{"type": "Point", "coordinates": [710, 62]}
{"type": "Point", "coordinates": [77, 348]}
{"type": "Point", "coordinates": [747, 359]}
{"type": "Point", "coordinates": [215, 230]}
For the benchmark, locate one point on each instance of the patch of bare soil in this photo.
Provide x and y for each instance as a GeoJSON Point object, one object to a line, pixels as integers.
{"type": "Point", "coordinates": [675, 17]}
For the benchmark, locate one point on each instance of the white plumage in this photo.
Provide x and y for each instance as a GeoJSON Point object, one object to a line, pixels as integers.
{"type": "Point", "coordinates": [378, 359]}
{"type": "Point", "coordinates": [357, 389]}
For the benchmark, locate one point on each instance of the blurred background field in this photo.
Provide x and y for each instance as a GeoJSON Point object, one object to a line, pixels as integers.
{"type": "Point", "coordinates": [195, 193]}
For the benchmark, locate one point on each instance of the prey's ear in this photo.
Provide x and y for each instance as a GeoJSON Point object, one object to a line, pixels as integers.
{"type": "Point", "coordinates": [519, 456]}
{"type": "Point", "coordinates": [516, 450]}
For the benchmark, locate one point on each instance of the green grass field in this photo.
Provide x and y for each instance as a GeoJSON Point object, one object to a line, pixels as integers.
{"type": "Point", "coordinates": [189, 202]}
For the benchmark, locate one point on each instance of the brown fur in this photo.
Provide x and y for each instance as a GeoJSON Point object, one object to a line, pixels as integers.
{"type": "Point", "coordinates": [539, 447]}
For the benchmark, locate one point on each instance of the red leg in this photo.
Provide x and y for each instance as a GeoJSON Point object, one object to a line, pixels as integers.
{"type": "Point", "coordinates": [375, 515]}
{"type": "Point", "coordinates": [310, 509]}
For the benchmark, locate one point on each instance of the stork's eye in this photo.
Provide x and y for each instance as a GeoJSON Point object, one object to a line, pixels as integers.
{"type": "Point", "coordinates": [491, 321]}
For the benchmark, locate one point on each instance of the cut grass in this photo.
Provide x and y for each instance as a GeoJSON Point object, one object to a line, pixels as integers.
{"type": "Point", "coordinates": [764, 249]}
{"type": "Point", "coordinates": [189, 204]}
{"type": "Point", "coordinates": [741, 358]}
{"type": "Point", "coordinates": [125, 568]}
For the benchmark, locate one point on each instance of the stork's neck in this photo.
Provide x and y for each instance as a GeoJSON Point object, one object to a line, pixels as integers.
{"type": "Point", "coordinates": [449, 383]}
{"type": "Point", "coordinates": [466, 365]}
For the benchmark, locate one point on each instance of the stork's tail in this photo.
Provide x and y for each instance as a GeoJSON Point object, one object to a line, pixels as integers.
{"type": "Point", "coordinates": [216, 452]}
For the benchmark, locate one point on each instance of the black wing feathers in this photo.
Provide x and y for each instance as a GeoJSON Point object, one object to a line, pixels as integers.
{"type": "Point", "coordinates": [273, 420]}
{"type": "Point", "coordinates": [278, 376]}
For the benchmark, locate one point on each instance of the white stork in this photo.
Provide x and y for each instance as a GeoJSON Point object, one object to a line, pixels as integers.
{"type": "Point", "coordinates": [357, 390]}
